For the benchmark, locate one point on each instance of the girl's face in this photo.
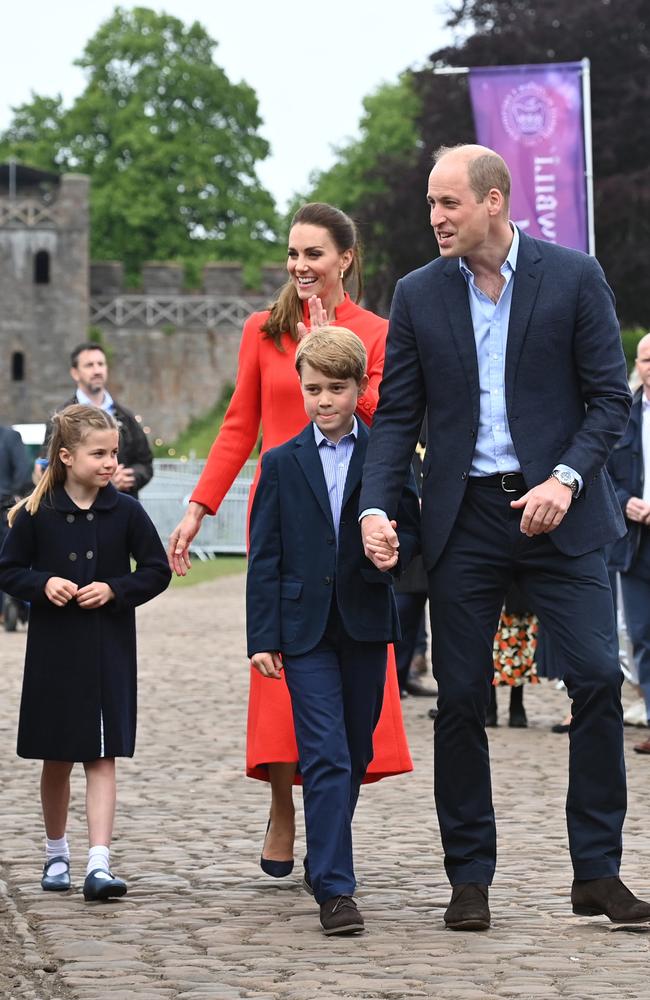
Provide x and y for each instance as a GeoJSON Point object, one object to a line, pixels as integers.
{"type": "Point", "coordinates": [93, 462]}
{"type": "Point", "coordinates": [314, 264]}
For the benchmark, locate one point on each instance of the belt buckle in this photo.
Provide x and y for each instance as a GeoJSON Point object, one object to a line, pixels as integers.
{"type": "Point", "coordinates": [504, 487]}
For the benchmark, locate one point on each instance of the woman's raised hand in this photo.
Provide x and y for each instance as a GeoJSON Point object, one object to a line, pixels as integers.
{"type": "Point", "coordinates": [317, 317]}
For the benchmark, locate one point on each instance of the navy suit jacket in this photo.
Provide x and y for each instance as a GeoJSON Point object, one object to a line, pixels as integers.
{"type": "Point", "coordinates": [625, 466]}
{"type": "Point", "coordinates": [294, 562]}
{"type": "Point", "coordinates": [567, 397]}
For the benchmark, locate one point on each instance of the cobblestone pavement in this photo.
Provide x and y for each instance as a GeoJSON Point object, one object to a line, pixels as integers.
{"type": "Point", "coordinates": [202, 922]}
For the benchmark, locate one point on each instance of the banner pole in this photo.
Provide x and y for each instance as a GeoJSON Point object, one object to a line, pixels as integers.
{"type": "Point", "coordinates": [589, 163]}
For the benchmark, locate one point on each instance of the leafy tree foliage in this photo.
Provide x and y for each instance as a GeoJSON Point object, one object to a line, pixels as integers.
{"type": "Point", "coordinates": [615, 36]}
{"type": "Point", "coordinates": [170, 144]}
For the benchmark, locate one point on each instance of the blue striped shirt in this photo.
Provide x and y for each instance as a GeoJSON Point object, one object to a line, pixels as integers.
{"type": "Point", "coordinates": [335, 459]}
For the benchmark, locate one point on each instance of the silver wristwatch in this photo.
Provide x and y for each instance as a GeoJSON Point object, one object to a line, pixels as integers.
{"type": "Point", "coordinates": [567, 478]}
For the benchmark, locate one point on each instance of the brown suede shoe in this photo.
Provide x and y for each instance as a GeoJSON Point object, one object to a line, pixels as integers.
{"type": "Point", "coordinates": [468, 908]}
{"type": "Point", "coordinates": [610, 897]}
{"type": "Point", "coordinates": [339, 915]}
{"type": "Point", "coordinates": [643, 747]}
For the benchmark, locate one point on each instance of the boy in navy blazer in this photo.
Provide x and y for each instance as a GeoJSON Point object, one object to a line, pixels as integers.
{"type": "Point", "coordinates": [320, 610]}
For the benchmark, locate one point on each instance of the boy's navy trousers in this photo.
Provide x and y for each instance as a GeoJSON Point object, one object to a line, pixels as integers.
{"type": "Point", "coordinates": [336, 691]}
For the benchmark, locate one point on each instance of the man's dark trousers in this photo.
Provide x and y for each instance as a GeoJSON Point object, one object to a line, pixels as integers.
{"type": "Point", "coordinates": [336, 690]}
{"type": "Point", "coordinates": [572, 596]}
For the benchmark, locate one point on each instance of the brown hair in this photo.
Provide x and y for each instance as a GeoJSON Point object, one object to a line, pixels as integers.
{"type": "Point", "coordinates": [69, 428]}
{"type": "Point", "coordinates": [485, 171]}
{"type": "Point", "coordinates": [286, 311]}
{"type": "Point", "coordinates": [335, 351]}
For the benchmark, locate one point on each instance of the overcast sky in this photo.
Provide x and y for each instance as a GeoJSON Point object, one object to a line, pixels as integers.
{"type": "Point", "coordinates": [310, 64]}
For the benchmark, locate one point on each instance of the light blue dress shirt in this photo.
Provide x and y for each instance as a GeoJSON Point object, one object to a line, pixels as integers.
{"type": "Point", "coordinates": [106, 404]}
{"type": "Point", "coordinates": [494, 451]}
{"type": "Point", "coordinates": [335, 459]}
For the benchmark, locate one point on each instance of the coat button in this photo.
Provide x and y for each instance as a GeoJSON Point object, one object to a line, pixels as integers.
{"type": "Point", "coordinates": [327, 579]}
{"type": "Point", "coordinates": [330, 541]}
{"type": "Point", "coordinates": [89, 554]}
{"type": "Point", "coordinates": [90, 517]}
{"type": "Point", "coordinates": [69, 518]}
{"type": "Point", "coordinates": [464, 475]}
{"type": "Point", "coordinates": [72, 556]}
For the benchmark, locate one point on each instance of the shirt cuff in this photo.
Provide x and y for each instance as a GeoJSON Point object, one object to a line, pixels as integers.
{"type": "Point", "coordinates": [372, 510]}
{"type": "Point", "coordinates": [567, 468]}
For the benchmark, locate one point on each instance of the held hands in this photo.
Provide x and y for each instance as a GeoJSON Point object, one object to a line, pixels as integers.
{"type": "Point", "coordinates": [317, 317]}
{"type": "Point", "coordinates": [60, 591]}
{"type": "Point", "coordinates": [93, 595]}
{"type": "Point", "coordinates": [178, 549]}
{"type": "Point", "coordinates": [544, 507]}
{"type": "Point", "coordinates": [637, 510]}
{"type": "Point", "coordinates": [380, 541]}
{"type": "Point", "coordinates": [268, 664]}
{"type": "Point", "coordinates": [123, 478]}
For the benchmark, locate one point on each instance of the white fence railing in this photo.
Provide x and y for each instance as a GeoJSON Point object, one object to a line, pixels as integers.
{"type": "Point", "coordinates": [166, 497]}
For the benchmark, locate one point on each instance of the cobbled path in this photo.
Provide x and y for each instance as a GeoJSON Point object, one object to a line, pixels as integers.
{"type": "Point", "coordinates": [202, 922]}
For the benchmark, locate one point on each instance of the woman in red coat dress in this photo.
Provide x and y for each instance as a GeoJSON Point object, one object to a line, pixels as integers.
{"type": "Point", "coordinates": [323, 258]}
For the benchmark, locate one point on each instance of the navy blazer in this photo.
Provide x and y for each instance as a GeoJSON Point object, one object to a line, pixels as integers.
{"type": "Point", "coordinates": [625, 466]}
{"type": "Point", "coordinates": [294, 561]}
{"type": "Point", "coordinates": [567, 396]}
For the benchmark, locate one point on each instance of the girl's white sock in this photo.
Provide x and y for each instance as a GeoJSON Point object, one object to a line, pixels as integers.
{"type": "Point", "coordinates": [56, 849]}
{"type": "Point", "coordinates": [98, 857]}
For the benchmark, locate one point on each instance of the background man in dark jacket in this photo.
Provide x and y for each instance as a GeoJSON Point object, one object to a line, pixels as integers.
{"type": "Point", "coordinates": [628, 465]}
{"type": "Point", "coordinates": [89, 370]}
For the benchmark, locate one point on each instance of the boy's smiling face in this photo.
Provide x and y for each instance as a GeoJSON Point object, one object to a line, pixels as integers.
{"type": "Point", "coordinates": [330, 402]}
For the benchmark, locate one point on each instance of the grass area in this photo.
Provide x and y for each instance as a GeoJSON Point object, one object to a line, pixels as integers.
{"type": "Point", "coordinates": [210, 569]}
{"type": "Point", "coordinates": [198, 437]}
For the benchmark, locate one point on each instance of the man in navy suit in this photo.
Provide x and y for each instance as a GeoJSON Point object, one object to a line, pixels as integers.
{"type": "Point", "coordinates": [629, 467]}
{"type": "Point", "coordinates": [319, 609]}
{"type": "Point", "coordinates": [513, 347]}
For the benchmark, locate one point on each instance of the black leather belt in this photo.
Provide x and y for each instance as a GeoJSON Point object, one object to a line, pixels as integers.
{"type": "Point", "coordinates": [509, 482]}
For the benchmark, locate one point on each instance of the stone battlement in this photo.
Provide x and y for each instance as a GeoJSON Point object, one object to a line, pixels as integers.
{"type": "Point", "coordinates": [166, 278]}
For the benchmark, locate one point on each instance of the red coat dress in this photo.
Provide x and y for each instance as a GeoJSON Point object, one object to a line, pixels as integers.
{"type": "Point", "coordinates": [267, 392]}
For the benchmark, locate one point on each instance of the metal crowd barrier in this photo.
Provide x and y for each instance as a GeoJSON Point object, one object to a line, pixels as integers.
{"type": "Point", "coordinates": [166, 498]}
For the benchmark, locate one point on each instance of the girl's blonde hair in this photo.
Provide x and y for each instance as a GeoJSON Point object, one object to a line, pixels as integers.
{"type": "Point", "coordinates": [69, 428]}
{"type": "Point", "coordinates": [287, 310]}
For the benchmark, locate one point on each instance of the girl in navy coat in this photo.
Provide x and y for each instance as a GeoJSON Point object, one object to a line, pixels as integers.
{"type": "Point", "coordinates": [69, 554]}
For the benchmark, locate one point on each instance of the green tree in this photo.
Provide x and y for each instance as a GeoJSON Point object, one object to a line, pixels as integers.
{"type": "Point", "coordinates": [362, 178]}
{"type": "Point", "coordinates": [615, 36]}
{"type": "Point", "coordinates": [170, 144]}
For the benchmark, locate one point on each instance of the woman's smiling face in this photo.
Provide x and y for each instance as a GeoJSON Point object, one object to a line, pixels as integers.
{"type": "Point", "coordinates": [314, 263]}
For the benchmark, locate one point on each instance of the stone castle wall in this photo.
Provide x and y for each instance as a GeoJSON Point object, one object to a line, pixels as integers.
{"type": "Point", "coordinates": [171, 352]}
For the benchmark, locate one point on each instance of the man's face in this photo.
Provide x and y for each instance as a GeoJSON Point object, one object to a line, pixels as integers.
{"type": "Point", "coordinates": [90, 373]}
{"type": "Point", "coordinates": [643, 363]}
{"type": "Point", "coordinates": [460, 223]}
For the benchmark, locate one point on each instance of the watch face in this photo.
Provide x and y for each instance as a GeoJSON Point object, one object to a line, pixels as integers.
{"type": "Point", "coordinates": [565, 477]}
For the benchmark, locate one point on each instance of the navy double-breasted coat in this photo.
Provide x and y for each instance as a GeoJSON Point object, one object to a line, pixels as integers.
{"type": "Point", "coordinates": [79, 688]}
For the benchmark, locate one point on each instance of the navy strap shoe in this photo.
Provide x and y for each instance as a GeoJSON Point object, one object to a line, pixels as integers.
{"type": "Point", "coordinates": [56, 883]}
{"type": "Point", "coordinates": [103, 885]}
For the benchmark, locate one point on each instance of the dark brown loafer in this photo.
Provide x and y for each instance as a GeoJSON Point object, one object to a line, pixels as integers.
{"type": "Point", "coordinates": [468, 908]}
{"type": "Point", "coordinates": [339, 915]}
{"type": "Point", "coordinates": [611, 898]}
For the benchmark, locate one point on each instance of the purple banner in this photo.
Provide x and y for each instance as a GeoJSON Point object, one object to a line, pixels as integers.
{"type": "Point", "coordinates": [532, 117]}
